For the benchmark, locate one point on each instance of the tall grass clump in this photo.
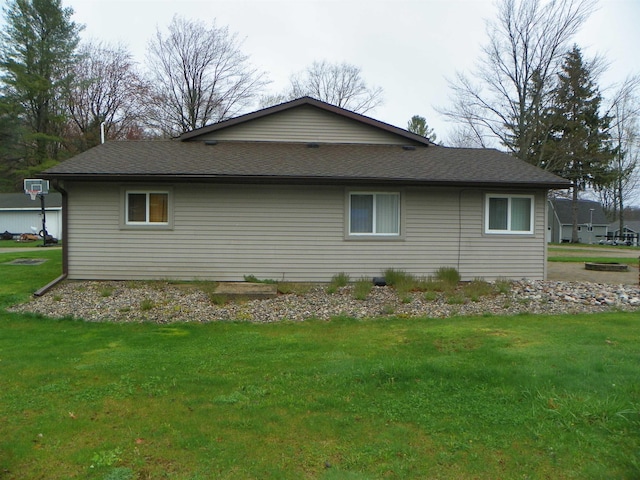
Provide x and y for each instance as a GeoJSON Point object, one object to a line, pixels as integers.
{"type": "Point", "coordinates": [147, 304]}
{"type": "Point", "coordinates": [254, 279]}
{"type": "Point", "coordinates": [448, 275]}
{"type": "Point", "coordinates": [294, 288]}
{"type": "Point", "coordinates": [503, 285]}
{"type": "Point", "coordinates": [476, 289]}
{"type": "Point", "coordinates": [403, 282]}
{"type": "Point", "coordinates": [362, 288]}
{"type": "Point", "coordinates": [339, 280]}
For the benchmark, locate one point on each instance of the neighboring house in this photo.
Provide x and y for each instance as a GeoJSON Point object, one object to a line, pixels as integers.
{"type": "Point", "coordinates": [593, 224]}
{"type": "Point", "coordinates": [300, 192]}
{"type": "Point", "coordinates": [18, 213]}
{"type": "Point", "coordinates": [630, 231]}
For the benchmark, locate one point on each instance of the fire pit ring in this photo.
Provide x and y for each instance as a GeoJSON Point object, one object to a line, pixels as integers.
{"type": "Point", "coordinates": [606, 266]}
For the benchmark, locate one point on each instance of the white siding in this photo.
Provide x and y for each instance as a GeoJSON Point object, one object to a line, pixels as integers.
{"type": "Point", "coordinates": [306, 124]}
{"type": "Point", "coordinates": [21, 221]}
{"type": "Point", "coordinates": [296, 233]}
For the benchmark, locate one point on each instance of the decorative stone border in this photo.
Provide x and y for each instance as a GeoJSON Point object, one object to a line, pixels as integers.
{"type": "Point", "coordinates": [606, 266]}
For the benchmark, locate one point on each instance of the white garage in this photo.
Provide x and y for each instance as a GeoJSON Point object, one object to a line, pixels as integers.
{"type": "Point", "coordinates": [18, 213]}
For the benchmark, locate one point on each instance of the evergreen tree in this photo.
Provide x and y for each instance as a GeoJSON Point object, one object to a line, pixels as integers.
{"type": "Point", "coordinates": [579, 147]}
{"type": "Point", "coordinates": [418, 125]}
{"type": "Point", "coordinates": [37, 50]}
{"type": "Point", "coordinates": [10, 145]}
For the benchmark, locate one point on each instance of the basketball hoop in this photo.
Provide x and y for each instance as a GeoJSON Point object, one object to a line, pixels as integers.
{"type": "Point", "coordinates": [36, 186]}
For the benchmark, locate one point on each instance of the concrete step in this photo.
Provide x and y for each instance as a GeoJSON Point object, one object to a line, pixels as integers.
{"type": "Point", "coordinates": [246, 290]}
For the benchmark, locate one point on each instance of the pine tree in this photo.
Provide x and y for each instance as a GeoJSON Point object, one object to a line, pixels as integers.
{"type": "Point", "coordinates": [579, 147]}
{"type": "Point", "coordinates": [418, 125]}
{"type": "Point", "coordinates": [37, 49]}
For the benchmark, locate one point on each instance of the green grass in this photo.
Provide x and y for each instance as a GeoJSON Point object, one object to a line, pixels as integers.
{"type": "Point", "coordinates": [14, 244]}
{"type": "Point", "coordinates": [556, 397]}
{"type": "Point", "coordinates": [564, 247]}
{"type": "Point", "coordinates": [18, 282]}
{"type": "Point", "coordinates": [491, 397]}
{"type": "Point", "coordinates": [625, 260]}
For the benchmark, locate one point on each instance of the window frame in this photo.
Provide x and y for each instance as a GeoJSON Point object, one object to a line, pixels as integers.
{"type": "Point", "coordinates": [509, 197]}
{"type": "Point", "coordinates": [125, 223]}
{"type": "Point", "coordinates": [398, 235]}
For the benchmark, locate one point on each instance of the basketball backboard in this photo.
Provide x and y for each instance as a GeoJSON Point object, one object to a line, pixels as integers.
{"type": "Point", "coordinates": [35, 187]}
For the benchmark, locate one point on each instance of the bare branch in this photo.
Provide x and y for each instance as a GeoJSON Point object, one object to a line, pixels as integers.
{"type": "Point", "coordinates": [199, 76]}
{"type": "Point", "coordinates": [339, 84]}
{"type": "Point", "coordinates": [515, 75]}
{"type": "Point", "coordinates": [107, 89]}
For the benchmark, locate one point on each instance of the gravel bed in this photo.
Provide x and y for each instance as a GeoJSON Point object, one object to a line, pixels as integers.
{"type": "Point", "coordinates": [162, 303]}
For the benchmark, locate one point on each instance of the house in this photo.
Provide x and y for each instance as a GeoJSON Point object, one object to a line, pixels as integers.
{"type": "Point", "coordinates": [630, 232]}
{"type": "Point", "coordinates": [18, 214]}
{"type": "Point", "coordinates": [300, 191]}
{"type": "Point", "coordinates": [593, 224]}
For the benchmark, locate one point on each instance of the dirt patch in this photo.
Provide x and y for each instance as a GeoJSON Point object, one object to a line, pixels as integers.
{"type": "Point", "coordinates": [575, 272]}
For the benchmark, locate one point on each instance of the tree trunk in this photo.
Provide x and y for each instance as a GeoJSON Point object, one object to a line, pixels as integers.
{"type": "Point", "coordinates": [574, 216]}
{"type": "Point", "coordinates": [620, 207]}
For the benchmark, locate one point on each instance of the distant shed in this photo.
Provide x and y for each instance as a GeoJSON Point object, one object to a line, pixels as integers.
{"type": "Point", "coordinates": [18, 213]}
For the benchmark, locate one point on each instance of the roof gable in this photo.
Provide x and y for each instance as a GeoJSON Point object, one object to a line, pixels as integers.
{"type": "Point", "coordinates": [357, 149]}
{"type": "Point", "coordinates": [306, 120]}
{"type": "Point", "coordinates": [563, 206]}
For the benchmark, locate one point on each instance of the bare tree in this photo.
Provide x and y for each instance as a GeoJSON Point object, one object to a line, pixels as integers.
{"type": "Point", "coordinates": [107, 89]}
{"type": "Point", "coordinates": [269, 100]}
{"type": "Point", "coordinates": [625, 134]}
{"type": "Point", "coordinates": [339, 84]}
{"type": "Point", "coordinates": [504, 99]}
{"type": "Point", "coordinates": [199, 76]}
{"type": "Point", "coordinates": [464, 136]}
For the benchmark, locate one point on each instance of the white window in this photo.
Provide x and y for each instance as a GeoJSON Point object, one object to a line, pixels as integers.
{"type": "Point", "coordinates": [374, 213]}
{"type": "Point", "coordinates": [147, 208]}
{"type": "Point", "coordinates": [512, 214]}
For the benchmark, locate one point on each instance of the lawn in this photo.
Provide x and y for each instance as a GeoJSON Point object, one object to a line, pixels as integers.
{"type": "Point", "coordinates": [485, 397]}
{"type": "Point", "coordinates": [29, 244]}
{"type": "Point", "coordinates": [594, 259]}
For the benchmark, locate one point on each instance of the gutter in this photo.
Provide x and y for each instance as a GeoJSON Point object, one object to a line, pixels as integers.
{"type": "Point", "coordinates": [303, 180]}
{"type": "Point", "coordinates": [65, 232]}
{"type": "Point", "coordinates": [49, 286]}
{"type": "Point", "coordinates": [65, 257]}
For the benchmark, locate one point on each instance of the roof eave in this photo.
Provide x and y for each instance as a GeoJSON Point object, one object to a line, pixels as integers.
{"type": "Point", "coordinates": [306, 180]}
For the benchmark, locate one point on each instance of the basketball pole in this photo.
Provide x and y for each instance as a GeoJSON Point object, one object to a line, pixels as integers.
{"type": "Point", "coordinates": [44, 220]}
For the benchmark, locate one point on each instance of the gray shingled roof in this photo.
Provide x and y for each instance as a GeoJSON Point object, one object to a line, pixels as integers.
{"type": "Point", "coordinates": [173, 160]}
{"type": "Point", "coordinates": [21, 201]}
{"type": "Point", "coordinates": [563, 206]}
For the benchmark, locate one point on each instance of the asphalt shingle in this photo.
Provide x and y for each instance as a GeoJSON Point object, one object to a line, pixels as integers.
{"type": "Point", "coordinates": [278, 161]}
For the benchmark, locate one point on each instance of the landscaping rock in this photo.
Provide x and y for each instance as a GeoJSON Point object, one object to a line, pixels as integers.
{"type": "Point", "coordinates": [164, 303]}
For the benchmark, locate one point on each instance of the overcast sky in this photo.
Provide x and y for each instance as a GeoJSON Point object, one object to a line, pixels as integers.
{"type": "Point", "coordinates": [407, 47]}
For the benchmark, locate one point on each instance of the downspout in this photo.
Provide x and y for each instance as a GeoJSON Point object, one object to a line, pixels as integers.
{"type": "Point", "coordinates": [102, 132]}
{"type": "Point", "coordinates": [460, 225]}
{"type": "Point", "coordinates": [65, 239]}
{"type": "Point", "coordinates": [546, 229]}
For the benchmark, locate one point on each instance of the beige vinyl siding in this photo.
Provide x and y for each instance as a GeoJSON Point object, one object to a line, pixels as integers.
{"type": "Point", "coordinates": [491, 256]}
{"type": "Point", "coordinates": [295, 233]}
{"type": "Point", "coordinates": [306, 124]}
